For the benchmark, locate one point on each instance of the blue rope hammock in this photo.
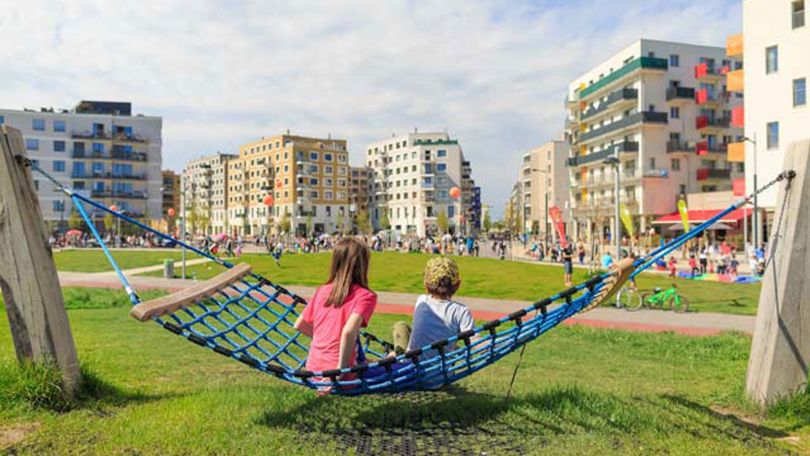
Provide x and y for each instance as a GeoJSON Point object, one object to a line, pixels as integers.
{"type": "Point", "coordinates": [251, 320]}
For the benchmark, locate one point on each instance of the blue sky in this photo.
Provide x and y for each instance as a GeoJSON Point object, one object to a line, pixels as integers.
{"type": "Point", "coordinates": [492, 73]}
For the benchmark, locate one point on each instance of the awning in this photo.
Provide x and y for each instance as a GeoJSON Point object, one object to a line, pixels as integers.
{"type": "Point", "coordinates": [700, 216]}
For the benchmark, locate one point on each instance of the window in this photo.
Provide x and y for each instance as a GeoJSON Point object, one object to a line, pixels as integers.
{"type": "Point", "coordinates": [674, 60]}
{"type": "Point", "coordinates": [327, 157]}
{"type": "Point", "coordinates": [58, 166]}
{"type": "Point", "coordinates": [772, 59]}
{"type": "Point", "coordinates": [798, 14]}
{"type": "Point", "coordinates": [32, 144]}
{"type": "Point", "coordinates": [441, 167]}
{"type": "Point", "coordinates": [58, 205]}
{"type": "Point", "coordinates": [58, 146]}
{"type": "Point", "coordinates": [441, 153]}
{"type": "Point", "coordinates": [2, 120]}
{"type": "Point", "coordinates": [773, 135]}
{"type": "Point", "coordinates": [676, 164]}
{"type": "Point", "coordinates": [451, 211]}
{"type": "Point", "coordinates": [799, 92]}
{"type": "Point", "coordinates": [98, 148]}
{"type": "Point", "coordinates": [675, 112]}
{"type": "Point", "coordinates": [313, 156]}
{"type": "Point", "coordinates": [58, 125]}
{"type": "Point", "coordinates": [38, 124]}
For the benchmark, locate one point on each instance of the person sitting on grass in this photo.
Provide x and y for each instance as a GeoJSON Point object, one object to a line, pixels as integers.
{"type": "Point", "coordinates": [436, 315]}
{"type": "Point", "coordinates": [338, 310]}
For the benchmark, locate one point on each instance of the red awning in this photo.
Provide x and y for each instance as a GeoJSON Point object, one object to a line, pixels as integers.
{"type": "Point", "coordinates": [701, 216]}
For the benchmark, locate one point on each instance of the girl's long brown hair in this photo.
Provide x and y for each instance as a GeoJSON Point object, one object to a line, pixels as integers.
{"type": "Point", "coordinates": [349, 266]}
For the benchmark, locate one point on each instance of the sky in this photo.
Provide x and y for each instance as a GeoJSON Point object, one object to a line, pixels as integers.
{"type": "Point", "coordinates": [493, 74]}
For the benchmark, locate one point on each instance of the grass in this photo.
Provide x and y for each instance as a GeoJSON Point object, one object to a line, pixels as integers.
{"type": "Point", "coordinates": [93, 260]}
{"type": "Point", "coordinates": [485, 278]}
{"type": "Point", "coordinates": [155, 393]}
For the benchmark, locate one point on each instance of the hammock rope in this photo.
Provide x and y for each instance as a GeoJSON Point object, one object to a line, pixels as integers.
{"type": "Point", "coordinates": [251, 320]}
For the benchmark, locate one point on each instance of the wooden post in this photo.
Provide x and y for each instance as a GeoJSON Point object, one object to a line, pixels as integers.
{"type": "Point", "coordinates": [780, 352]}
{"type": "Point", "coordinates": [36, 312]}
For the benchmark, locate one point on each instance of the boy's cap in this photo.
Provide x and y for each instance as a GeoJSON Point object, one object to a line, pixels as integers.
{"type": "Point", "coordinates": [440, 267]}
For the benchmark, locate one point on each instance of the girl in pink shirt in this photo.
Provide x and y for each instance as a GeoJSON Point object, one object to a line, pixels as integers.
{"type": "Point", "coordinates": [339, 309]}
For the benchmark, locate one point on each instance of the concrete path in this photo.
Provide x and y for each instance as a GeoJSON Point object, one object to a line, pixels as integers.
{"type": "Point", "coordinates": [696, 324]}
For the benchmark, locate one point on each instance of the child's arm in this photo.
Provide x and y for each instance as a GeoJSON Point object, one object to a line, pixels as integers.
{"type": "Point", "coordinates": [304, 327]}
{"type": "Point", "coordinates": [347, 339]}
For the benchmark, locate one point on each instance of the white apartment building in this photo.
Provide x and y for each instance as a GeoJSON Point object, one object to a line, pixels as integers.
{"type": "Point", "coordinates": [204, 189]}
{"type": "Point", "coordinates": [544, 183]}
{"type": "Point", "coordinates": [776, 52]}
{"type": "Point", "coordinates": [411, 178]}
{"type": "Point", "coordinates": [99, 148]}
{"type": "Point", "coordinates": [663, 110]}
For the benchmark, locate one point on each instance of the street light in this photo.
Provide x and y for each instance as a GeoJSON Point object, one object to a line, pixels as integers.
{"type": "Point", "coordinates": [617, 228]}
{"type": "Point", "coordinates": [545, 195]}
{"type": "Point", "coordinates": [755, 221]}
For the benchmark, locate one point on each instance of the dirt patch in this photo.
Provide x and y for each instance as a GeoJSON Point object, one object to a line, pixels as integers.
{"type": "Point", "coordinates": [12, 435]}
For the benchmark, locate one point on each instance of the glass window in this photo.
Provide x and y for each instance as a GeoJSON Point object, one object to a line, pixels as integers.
{"type": "Point", "coordinates": [58, 166]}
{"type": "Point", "coordinates": [773, 135]}
{"type": "Point", "coordinates": [675, 112]}
{"type": "Point", "coordinates": [798, 13]}
{"type": "Point", "coordinates": [451, 211]}
{"type": "Point", "coordinates": [771, 59]}
{"type": "Point", "coordinates": [313, 156]}
{"type": "Point", "coordinates": [441, 153]}
{"type": "Point", "coordinates": [799, 92]}
{"type": "Point", "coordinates": [2, 120]}
{"type": "Point", "coordinates": [32, 144]}
{"type": "Point", "coordinates": [441, 167]}
{"type": "Point", "coordinates": [58, 205]}
{"type": "Point", "coordinates": [58, 125]}
{"type": "Point", "coordinates": [327, 157]}
{"type": "Point", "coordinates": [58, 146]}
{"type": "Point", "coordinates": [38, 124]}
{"type": "Point", "coordinates": [98, 148]}
{"type": "Point", "coordinates": [676, 164]}
{"type": "Point", "coordinates": [674, 60]}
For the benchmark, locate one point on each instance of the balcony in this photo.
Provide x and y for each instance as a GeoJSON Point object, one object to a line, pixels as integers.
{"type": "Point", "coordinates": [118, 194]}
{"type": "Point", "coordinates": [645, 117]}
{"type": "Point", "coordinates": [736, 152]}
{"type": "Point", "coordinates": [612, 99]}
{"type": "Point", "coordinates": [123, 137]}
{"type": "Point", "coordinates": [704, 122]}
{"type": "Point", "coordinates": [683, 94]}
{"type": "Point", "coordinates": [626, 146]}
{"type": "Point", "coordinates": [435, 142]}
{"type": "Point", "coordinates": [704, 148]}
{"type": "Point", "coordinates": [738, 117]}
{"type": "Point", "coordinates": [736, 81]}
{"type": "Point", "coordinates": [121, 156]}
{"type": "Point", "coordinates": [107, 176]}
{"type": "Point", "coordinates": [89, 135]}
{"type": "Point", "coordinates": [708, 173]}
{"type": "Point", "coordinates": [734, 46]}
{"type": "Point", "coordinates": [704, 98]}
{"type": "Point", "coordinates": [674, 146]}
{"type": "Point", "coordinates": [640, 63]}
{"type": "Point", "coordinates": [704, 71]}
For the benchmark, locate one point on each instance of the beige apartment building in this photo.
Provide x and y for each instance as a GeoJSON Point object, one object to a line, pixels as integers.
{"type": "Point", "coordinates": [306, 178]}
{"type": "Point", "coordinates": [204, 191]}
{"type": "Point", "coordinates": [543, 183]}
{"type": "Point", "coordinates": [358, 188]}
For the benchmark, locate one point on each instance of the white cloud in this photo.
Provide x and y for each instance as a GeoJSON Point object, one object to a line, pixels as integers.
{"type": "Point", "coordinates": [222, 73]}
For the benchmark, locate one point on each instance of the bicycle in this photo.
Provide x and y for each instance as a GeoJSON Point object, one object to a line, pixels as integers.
{"type": "Point", "coordinates": [628, 298]}
{"type": "Point", "coordinates": [661, 298]}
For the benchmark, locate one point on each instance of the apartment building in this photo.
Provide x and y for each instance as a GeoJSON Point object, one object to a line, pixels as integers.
{"type": "Point", "coordinates": [101, 150]}
{"type": "Point", "coordinates": [358, 188]}
{"type": "Point", "coordinates": [661, 112]}
{"type": "Point", "coordinates": [543, 182]}
{"type": "Point", "coordinates": [411, 180]}
{"type": "Point", "coordinates": [204, 191]}
{"type": "Point", "coordinates": [774, 46]}
{"type": "Point", "coordinates": [307, 178]}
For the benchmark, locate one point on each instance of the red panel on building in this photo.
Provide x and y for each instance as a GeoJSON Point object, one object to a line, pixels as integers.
{"type": "Point", "coordinates": [702, 148]}
{"type": "Point", "coordinates": [738, 117]}
{"type": "Point", "coordinates": [702, 174]}
{"type": "Point", "coordinates": [701, 70]}
{"type": "Point", "coordinates": [738, 185]}
{"type": "Point", "coordinates": [701, 96]}
{"type": "Point", "coordinates": [701, 122]}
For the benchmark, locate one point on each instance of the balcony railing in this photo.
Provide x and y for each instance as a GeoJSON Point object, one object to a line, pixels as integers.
{"type": "Point", "coordinates": [120, 176]}
{"type": "Point", "coordinates": [625, 146]}
{"type": "Point", "coordinates": [435, 142]}
{"type": "Point", "coordinates": [708, 173]}
{"type": "Point", "coordinates": [678, 146]}
{"type": "Point", "coordinates": [704, 148]}
{"type": "Point", "coordinates": [680, 93]}
{"type": "Point", "coordinates": [703, 70]}
{"type": "Point", "coordinates": [613, 98]}
{"type": "Point", "coordinates": [705, 122]}
{"type": "Point", "coordinates": [89, 135]}
{"type": "Point", "coordinates": [646, 117]}
{"type": "Point", "coordinates": [636, 64]}
{"type": "Point", "coordinates": [123, 156]}
{"type": "Point", "coordinates": [123, 137]}
{"type": "Point", "coordinates": [118, 194]}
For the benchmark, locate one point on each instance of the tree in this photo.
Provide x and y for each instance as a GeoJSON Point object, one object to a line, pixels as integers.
{"type": "Point", "coordinates": [285, 223]}
{"type": "Point", "coordinates": [309, 225]}
{"type": "Point", "coordinates": [341, 223]}
{"type": "Point", "coordinates": [487, 222]}
{"type": "Point", "coordinates": [363, 222]}
{"type": "Point", "coordinates": [385, 222]}
{"type": "Point", "coordinates": [109, 222]}
{"type": "Point", "coordinates": [204, 221]}
{"type": "Point", "coordinates": [75, 221]}
{"type": "Point", "coordinates": [442, 222]}
{"type": "Point", "coordinates": [192, 219]}
{"type": "Point", "coordinates": [518, 221]}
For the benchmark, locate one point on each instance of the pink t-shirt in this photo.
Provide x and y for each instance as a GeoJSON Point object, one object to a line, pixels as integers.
{"type": "Point", "coordinates": [328, 322]}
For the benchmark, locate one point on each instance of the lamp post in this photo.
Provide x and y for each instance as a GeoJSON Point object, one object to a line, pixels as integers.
{"type": "Point", "coordinates": [617, 227]}
{"type": "Point", "coordinates": [545, 197]}
{"type": "Point", "coordinates": [183, 229]}
{"type": "Point", "coordinates": [755, 220]}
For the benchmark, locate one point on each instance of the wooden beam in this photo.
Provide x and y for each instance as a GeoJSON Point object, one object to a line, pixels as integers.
{"type": "Point", "coordinates": [33, 298]}
{"type": "Point", "coordinates": [780, 352]}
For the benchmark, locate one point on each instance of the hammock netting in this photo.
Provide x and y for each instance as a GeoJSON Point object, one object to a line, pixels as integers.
{"type": "Point", "coordinates": [251, 320]}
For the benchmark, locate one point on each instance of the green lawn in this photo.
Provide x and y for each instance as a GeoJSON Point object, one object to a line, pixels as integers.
{"type": "Point", "coordinates": [579, 391]}
{"type": "Point", "coordinates": [93, 260]}
{"type": "Point", "coordinates": [485, 278]}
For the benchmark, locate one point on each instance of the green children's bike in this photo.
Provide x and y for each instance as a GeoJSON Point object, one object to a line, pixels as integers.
{"type": "Point", "coordinates": [659, 298]}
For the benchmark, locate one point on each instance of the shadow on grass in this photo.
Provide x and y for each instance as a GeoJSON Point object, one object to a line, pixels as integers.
{"type": "Point", "coordinates": [464, 422]}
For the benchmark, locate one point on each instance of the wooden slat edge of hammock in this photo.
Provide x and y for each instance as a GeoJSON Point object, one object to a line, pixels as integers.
{"type": "Point", "coordinates": [611, 285]}
{"type": "Point", "coordinates": [188, 296]}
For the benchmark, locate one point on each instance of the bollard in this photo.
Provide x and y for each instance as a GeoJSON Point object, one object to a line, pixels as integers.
{"type": "Point", "coordinates": [168, 269]}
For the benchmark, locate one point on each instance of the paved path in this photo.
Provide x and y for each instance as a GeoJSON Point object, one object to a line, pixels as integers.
{"type": "Point", "coordinates": [485, 309]}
